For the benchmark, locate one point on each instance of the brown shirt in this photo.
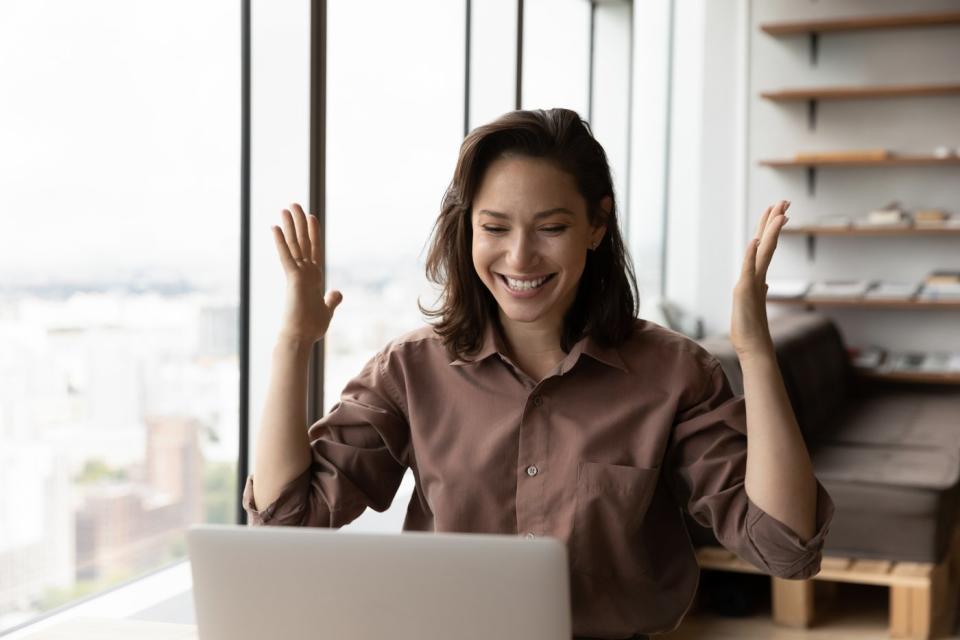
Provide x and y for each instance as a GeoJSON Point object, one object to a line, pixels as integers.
{"type": "Point", "coordinates": [603, 453]}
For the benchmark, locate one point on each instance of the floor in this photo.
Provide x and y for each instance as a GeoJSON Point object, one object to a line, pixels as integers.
{"type": "Point", "coordinates": [851, 612]}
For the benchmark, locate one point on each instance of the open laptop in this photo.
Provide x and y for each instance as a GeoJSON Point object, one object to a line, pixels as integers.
{"type": "Point", "coordinates": [298, 583]}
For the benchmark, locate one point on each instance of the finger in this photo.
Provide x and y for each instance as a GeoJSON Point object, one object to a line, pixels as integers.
{"type": "Point", "coordinates": [768, 243]}
{"type": "Point", "coordinates": [282, 249]}
{"type": "Point", "coordinates": [750, 259]}
{"type": "Point", "coordinates": [333, 299]}
{"type": "Point", "coordinates": [300, 221]}
{"type": "Point", "coordinates": [290, 235]}
{"type": "Point", "coordinates": [762, 222]}
{"type": "Point", "coordinates": [313, 228]}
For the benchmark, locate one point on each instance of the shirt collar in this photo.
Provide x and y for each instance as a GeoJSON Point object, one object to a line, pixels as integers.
{"type": "Point", "coordinates": [493, 343]}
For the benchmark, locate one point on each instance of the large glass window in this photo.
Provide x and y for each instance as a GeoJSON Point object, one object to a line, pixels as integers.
{"type": "Point", "coordinates": [119, 236]}
{"type": "Point", "coordinates": [394, 126]}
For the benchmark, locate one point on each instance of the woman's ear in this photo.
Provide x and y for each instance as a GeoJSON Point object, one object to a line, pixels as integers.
{"type": "Point", "coordinates": [606, 206]}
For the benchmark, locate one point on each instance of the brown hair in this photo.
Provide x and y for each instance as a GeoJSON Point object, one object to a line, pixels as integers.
{"type": "Point", "coordinates": [607, 301]}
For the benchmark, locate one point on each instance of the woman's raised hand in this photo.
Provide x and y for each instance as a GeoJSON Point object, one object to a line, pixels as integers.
{"type": "Point", "coordinates": [308, 311]}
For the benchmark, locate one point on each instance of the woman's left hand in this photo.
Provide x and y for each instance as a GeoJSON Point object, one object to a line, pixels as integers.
{"type": "Point", "coordinates": [749, 332]}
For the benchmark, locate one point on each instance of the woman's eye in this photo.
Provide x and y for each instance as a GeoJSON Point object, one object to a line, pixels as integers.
{"type": "Point", "coordinates": [556, 229]}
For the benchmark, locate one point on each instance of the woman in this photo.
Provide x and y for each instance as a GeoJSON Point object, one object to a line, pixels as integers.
{"type": "Point", "coordinates": [540, 404]}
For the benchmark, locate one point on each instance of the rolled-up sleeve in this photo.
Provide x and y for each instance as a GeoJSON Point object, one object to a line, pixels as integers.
{"type": "Point", "coordinates": [359, 453]}
{"type": "Point", "coordinates": [706, 464]}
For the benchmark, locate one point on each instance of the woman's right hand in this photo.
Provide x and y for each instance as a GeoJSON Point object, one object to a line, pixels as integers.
{"type": "Point", "coordinates": [308, 311]}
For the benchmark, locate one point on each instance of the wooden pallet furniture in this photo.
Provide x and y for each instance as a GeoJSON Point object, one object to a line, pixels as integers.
{"type": "Point", "coordinates": [923, 596]}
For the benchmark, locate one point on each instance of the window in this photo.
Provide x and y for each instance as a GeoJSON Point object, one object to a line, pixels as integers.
{"type": "Point", "coordinates": [394, 126]}
{"type": "Point", "coordinates": [119, 200]}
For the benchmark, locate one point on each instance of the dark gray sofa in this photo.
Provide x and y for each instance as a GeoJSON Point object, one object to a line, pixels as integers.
{"type": "Point", "coordinates": [888, 454]}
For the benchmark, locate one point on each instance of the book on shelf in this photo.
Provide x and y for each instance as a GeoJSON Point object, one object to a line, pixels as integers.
{"type": "Point", "coordinates": [864, 223]}
{"type": "Point", "coordinates": [892, 291]}
{"type": "Point", "coordinates": [839, 288]}
{"type": "Point", "coordinates": [891, 215]}
{"type": "Point", "coordinates": [908, 361]}
{"type": "Point", "coordinates": [853, 155]}
{"type": "Point", "coordinates": [930, 215]}
{"type": "Point", "coordinates": [787, 288]}
{"type": "Point", "coordinates": [939, 292]}
{"type": "Point", "coordinates": [937, 362]}
{"type": "Point", "coordinates": [870, 357]}
{"type": "Point", "coordinates": [941, 276]}
{"type": "Point", "coordinates": [915, 362]}
{"type": "Point", "coordinates": [949, 223]}
{"type": "Point", "coordinates": [833, 222]}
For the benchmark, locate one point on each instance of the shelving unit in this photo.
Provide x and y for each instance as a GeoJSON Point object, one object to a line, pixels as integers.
{"type": "Point", "coordinates": [834, 25]}
{"type": "Point", "coordinates": [861, 93]}
{"type": "Point", "coordinates": [812, 96]}
{"type": "Point", "coordinates": [893, 161]}
{"type": "Point", "coordinates": [813, 28]}
{"type": "Point", "coordinates": [811, 233]}
{"type": "Point", "coordinates": [909, 376]}
{"type": "Point", "coordinates": [811, 303]}
{"type": "Point", "coordinates": [813, 230]}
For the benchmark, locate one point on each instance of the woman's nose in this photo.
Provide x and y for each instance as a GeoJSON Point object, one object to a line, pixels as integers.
{"type": "Point", "coordinates": [522, 251]}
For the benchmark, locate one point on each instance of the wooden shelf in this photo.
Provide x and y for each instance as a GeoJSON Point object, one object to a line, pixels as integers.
{"type": "Point", "coordinates": [854, 93]}
{"type": "Point", "coordinates": [893, 161]}
{"type": "Point", "coordinates": [866, 231]}
{"type": "Point", "coordinates": [866, 303]}
{"type": "Point", "coordinates": [865, 23]}
{"type": "Point", "coordinates": [921, 377]}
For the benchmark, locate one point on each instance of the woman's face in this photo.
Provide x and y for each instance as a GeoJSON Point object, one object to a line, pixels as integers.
{"type": "Point", "coordinates": [530, 224]}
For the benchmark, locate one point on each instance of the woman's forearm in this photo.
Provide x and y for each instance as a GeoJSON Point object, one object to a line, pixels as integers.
{"type": "Point", "coordinates": [780, 476]}
{"type": "Point", "coordinates": [283, 449]}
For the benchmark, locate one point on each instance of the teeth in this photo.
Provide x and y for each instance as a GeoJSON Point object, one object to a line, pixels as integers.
{"type": "Point", "coordinates": [525, 285]}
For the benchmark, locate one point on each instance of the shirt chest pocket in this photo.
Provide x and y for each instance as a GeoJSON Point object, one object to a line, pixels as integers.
{"type": "Point", "coordinates": [611, 504]}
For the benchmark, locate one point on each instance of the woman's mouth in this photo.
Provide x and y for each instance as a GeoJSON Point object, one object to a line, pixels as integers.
{"type": "Point", "coordinates": [524, 288]}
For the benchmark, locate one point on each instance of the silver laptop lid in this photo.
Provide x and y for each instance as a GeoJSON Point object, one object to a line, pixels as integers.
{"type": "Point", "coordinates": [298, 583]}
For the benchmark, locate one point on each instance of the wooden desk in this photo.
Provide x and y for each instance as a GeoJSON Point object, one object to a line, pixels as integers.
{"type": "Point", "coordinates": [106, 629]}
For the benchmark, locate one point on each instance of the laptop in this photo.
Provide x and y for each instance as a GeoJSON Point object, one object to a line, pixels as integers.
{"type": "Point", "coordinates": [297, 583]}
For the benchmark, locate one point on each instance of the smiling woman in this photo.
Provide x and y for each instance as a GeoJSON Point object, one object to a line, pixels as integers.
{"type": "Point", "coordinates": [540, 405]}
{"type": "Point", "coordinates": [532, 200]}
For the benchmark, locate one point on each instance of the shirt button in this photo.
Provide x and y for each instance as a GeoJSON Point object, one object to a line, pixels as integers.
{"type": "Point", "coordinates": [531, 536]}
{"type": "Point", "coordinates": [537, 401]}
{"type": "Point", "coordinates": [532, 470]}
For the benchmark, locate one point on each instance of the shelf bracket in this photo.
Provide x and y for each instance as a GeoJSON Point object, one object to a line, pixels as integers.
{"type": "Point", "coordinates": [814, 48]}
{"type": "Point", "coordinates": [812, 114]}
{"type": "Point", "coordinates": [811, 180]}
{"type": "Point", "coordinates": [811, 246]}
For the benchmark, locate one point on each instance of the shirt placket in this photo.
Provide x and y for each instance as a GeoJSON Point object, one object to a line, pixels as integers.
{"type": "Point", "coordinates": [532, 465]}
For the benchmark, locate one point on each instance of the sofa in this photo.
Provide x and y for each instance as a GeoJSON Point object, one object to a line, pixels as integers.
{"type": "Point", "coordinates": [888, 453]}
